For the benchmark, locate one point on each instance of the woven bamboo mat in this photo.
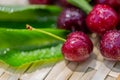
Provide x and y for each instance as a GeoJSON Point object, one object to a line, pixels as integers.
{"type": "Point", "coordinates": [95, 68]}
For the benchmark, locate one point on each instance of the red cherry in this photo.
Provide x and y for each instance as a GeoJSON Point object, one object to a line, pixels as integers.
{"type": "Point", "coordinates": [77, 48]}
{"type": "Point", "coordinates": [101, 19]}
{"type": "Point", "coordinates": [82, 36]}
{"type": "Point", "coordinates": [110, 45]}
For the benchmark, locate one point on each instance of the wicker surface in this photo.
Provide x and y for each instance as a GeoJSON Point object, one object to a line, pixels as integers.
{"type": "Point", "coordinates": [95, 68]}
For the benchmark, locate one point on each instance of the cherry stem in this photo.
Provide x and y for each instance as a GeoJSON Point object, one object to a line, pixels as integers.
{"type": "Point", "coordinates": [82, 4]}
{"type": "Point", "coordinates": [44, 32]}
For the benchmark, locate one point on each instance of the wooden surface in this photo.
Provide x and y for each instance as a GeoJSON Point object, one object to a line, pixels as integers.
{"type": "Point", "coordinates": [95, 68]}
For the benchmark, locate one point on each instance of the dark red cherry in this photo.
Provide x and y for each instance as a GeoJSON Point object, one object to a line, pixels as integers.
{"type": "Point", "coordinates": [113, 3]}
{"type": "Point", "coordinates": [40, 1]}
{"type": "Point", "coordinates": [77, 48]}
{"type": "Point", "coordinates": [110, 45]}
{"type": "Point", "coordinates": [101, 19]}
{"type": "Point", "coordinates": [72, 19]}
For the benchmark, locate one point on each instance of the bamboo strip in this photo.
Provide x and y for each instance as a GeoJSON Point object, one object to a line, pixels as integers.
{"type": "Point", "coordinates": [18, 72]}
{"type": "Point", "coordinates": [35, 68]}
{"type": "Point", "coordinates": [40, 74]}
{"type": "Point", "coordinates": [76, 72]}
{"type": "Point", "coordinates": [80, 70]}
{"type": "Point", "coordinates": [103, 70]}
{"type": "Point", "coordinates": [67, 71]}
{"type": "Point", "coordinates": [114, 72]}
{"type": "Point", "coordinates": [95, 64]}
{"type": "Point", "coordinates": [13, 77]}
{"type": "Point", "coordinates": [3, 67]}
{"type": "Point", "coordinates": [110, 78]}
{"type": "Point", "coordinates": [4, 76]}
{"type": "Point", "coordinates": [88, 75]}
{"type": "Point", "coordinates": [57, 69]}
{"type": "Point", "coordinates": [30, 71]}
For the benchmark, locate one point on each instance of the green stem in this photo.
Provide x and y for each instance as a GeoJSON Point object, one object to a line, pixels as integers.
{"type": "Point", "coordinates": [83, 4]}
{"type": "Point", "coordinates": [44, 32]}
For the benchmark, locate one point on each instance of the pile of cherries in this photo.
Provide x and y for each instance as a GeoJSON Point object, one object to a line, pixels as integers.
{"type": "Point", "coordinates": [103, 19]}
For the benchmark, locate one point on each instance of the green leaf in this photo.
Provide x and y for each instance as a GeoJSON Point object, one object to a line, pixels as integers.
{"type": "Point", "coordinates": [21, 46]}
{"type": "Point", "coordinates": [12, 9]}
{"type": "Point", "coordinates": [25, 39]}
{"type": "Point", "coordinates": [27, 13]}
{"type": "Point", "coordinates": [41, 16]}
{"type": "Point", "coordinates": [21, 24]}
{"type": "Point", "coordinates": [82, 4]}
{"type": "Point", "coordinates": [18, 58]}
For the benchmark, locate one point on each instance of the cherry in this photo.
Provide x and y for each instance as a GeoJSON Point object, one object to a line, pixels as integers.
{"type": "Point", "coordinates": [112, 3]}
{"type": "Point", "coordinates": [110, 45]}
{"type": "Point", "coordinates": [77, 47]}
{"type": "Point", "coordinates": [101, 19]}
{"type": "Point", "coordinates": [72, 19]}
{"type": "Point", "coordinates": [40, 1]}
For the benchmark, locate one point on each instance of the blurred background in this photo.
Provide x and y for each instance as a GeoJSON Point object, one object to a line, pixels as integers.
{"type": "Point", "coordinates": [14, 2]}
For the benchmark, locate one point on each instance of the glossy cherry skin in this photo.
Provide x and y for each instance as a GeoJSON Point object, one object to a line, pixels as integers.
{"type": "Point", "coordinates": [101, 19]}
{"type": "Point", "coordinates": [76, 48]}
{"type": "Point", "coordinates": [82, 36]}
{"type": "Point", "coordinates": [112, 3]}
{"type": "Point", "coordinates": [40, 1]}
{"type": "Point", "coordinates": [72, 19]}
{"type": "Point", "coordinates": [110, 45]}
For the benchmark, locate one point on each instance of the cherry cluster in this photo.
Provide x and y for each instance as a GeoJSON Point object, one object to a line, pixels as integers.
{"type": "Point", "coordinates": [103, 19]}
